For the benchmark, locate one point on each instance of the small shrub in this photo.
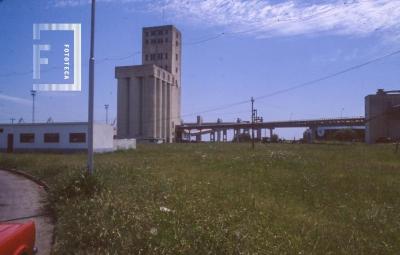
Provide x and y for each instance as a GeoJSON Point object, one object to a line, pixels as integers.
{"type": "Point", "coordinates": [77, 185]}
{"type": "Point", "coordinates": [274, 138]}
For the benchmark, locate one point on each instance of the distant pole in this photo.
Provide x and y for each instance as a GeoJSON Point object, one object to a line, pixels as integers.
{"type": "Point", "coordinates": [341, 113]}
{"type": "Point", "coordinates": [91, 92]}
{"type": "Point", "coordinates": [252, 123]}
{"type": "Point", "coordinates": [12, 120]}
{"type": "Point", "coordinates": [33, 94]}
{"type": "Point", "coordinates": [106, 107]}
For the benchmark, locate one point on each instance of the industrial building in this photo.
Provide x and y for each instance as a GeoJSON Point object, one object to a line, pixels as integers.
{"type": "Point", "coordinates": [382, 116]}
{"type": "Point", "coordinates": [61, 137]}
{"type": "Point", "coordinates": [380, 124]}
{"type": "Point", "coordinates": [149, 95]}
{"type": "Point", "coordinates": [338, 133]}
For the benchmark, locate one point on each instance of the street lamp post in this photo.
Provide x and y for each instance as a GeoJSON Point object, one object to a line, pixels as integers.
{"type": "Point", "coordinates": [33, 94]}
{"type": "Point", "coordinates": [106, 107]}
{"type": "Point", "coordinates": [91, 92]}
{"type": "Point", "coordinates": [252, 123]}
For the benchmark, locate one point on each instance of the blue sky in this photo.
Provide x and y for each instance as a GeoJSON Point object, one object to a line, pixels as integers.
{"type": "Point", "coordinates": [232, 50]}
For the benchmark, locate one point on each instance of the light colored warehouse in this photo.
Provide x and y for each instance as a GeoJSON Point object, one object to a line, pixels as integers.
{"type": "Point", "coordinates": [62, 137]}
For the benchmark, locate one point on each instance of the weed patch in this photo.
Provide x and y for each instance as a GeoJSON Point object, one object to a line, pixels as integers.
{"type": "Point", "coordinates": [224, 199]}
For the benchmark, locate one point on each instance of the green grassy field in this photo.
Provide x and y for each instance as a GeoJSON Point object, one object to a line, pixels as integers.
{"type": "Point", "coordinates": [224, 199]}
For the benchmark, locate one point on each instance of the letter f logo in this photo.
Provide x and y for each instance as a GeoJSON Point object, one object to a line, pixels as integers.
{"type": "Point", "coordinates": [37, 60]}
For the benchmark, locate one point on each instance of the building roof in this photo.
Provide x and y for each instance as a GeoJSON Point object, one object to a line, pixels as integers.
{"type": "Point", "coordinates": [140, 70]}
{"type": "Point", "coordinates": [161, 27]}
{"type": "Point", "coordinates": [48, 124]}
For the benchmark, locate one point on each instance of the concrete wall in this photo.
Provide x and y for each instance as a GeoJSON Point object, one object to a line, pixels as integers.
{"type": "Point", "coordinates": [382, 119]}
{"type": "Point", "coordinates": [124, 144]}
{"type": "Point", "coordinates": [123, 107]}
{"type": "Point", "coordinates": [103, 136]}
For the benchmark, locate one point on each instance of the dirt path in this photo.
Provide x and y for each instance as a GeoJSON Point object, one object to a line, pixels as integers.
{"type": "Point", "coordinates": [19, 198]}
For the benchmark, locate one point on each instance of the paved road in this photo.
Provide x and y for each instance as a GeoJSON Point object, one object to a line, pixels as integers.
{"type": "Point", "coordinates": [20, 197]}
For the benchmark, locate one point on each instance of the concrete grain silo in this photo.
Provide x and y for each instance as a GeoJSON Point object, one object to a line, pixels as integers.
{"type": "Point", "coordinates": [382, 114]}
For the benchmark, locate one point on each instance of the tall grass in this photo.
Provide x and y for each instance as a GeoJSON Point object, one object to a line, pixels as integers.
{"type": "Point", "coordinates": [224, 199]}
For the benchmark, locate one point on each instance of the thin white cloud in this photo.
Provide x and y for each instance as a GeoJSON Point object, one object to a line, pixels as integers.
{"type": "Point", "coordinates": [74, 3]}
{"type": "Point", "coordinates": [287, 18]}
{"type": "Point", "coordinates": [13, 99]}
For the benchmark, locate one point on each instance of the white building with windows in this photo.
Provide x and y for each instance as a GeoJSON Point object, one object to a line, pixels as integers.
{"type": "Point", "coordinates": [62, 137]}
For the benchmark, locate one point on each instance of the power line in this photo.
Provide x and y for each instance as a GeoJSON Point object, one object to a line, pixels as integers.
{"type": "Point", "coordinates": [304, 84]}
{"type": "Point", "coordinates": [301, 85]}
{"type": "Point", "coordinates": [101, 60]}
{"type": "Point", "coordinates": [308, 83]}
{"type": "Point", "coordinates": [205, 39]}
{"type": "Point", "coordinates": [201, 41]}
{"type": "Point", "coordinates": [118, 58]}
{"type": "Point", "coordinates": [222, 107]}
{"type": "Point", "coordinates": [278, 20]}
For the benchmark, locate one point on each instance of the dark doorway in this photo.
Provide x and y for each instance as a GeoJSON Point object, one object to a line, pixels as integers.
{"type": "Point", "coordinates": [10, 143]}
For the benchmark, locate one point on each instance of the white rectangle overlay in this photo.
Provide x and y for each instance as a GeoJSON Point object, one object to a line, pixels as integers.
{"type": "Point", "coordinates": [77, 84]}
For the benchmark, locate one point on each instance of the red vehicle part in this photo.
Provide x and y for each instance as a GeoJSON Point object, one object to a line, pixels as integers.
{"type": "Point", "coordinates": [17, 238]}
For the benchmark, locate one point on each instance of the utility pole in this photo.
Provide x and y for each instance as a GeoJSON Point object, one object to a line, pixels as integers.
{"type": "Point", "coordinates": [91, 92]}
{"type": "Point", "coordinates": [252, 123]}
{"type": "Point", "coordinates": [106, 107]}
{"type": "Point", "coordinates": [12, 120]}
{"type": "Point", "coordinates": [33, 94]}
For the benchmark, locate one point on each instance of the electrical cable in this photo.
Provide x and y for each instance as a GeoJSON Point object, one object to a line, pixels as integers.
{"type": "Point", "coordinates": [304, 84]}
{"type": "Point", "coordinates": [101, 60]}
{"type": "Point", "coordinates": [290, 20]}
{"type": "Point", "coordinates": [301, 85]}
